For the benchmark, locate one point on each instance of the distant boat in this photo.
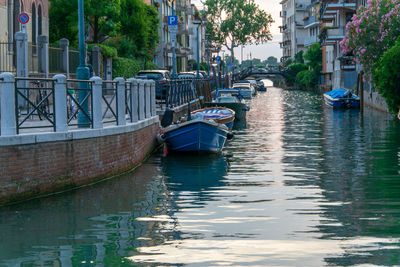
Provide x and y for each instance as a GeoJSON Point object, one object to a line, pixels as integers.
{"type": "Point", "coordinates": [221, 115]}
{"type": "Point", "coordinates": [341, 98]}
{"type": "Point", "coordinates": [232, 99]}
{"type": "Point", "coordinates": [197, 135]}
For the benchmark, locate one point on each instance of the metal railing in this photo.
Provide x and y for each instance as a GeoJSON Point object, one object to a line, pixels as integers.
{"type": "Point", "coordinates": [7, 63]}
{"type": "Point", "coordinates": [34, 97]}
{"type": "Point", "coordinates": [55, 60]}
{"type": "Point", "coordinates": [80, 103]}
{"type": "Point", "coordinates": [110, 99]}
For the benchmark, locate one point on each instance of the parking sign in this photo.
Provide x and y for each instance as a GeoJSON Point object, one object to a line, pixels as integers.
{"type": "Point", "coordinates": [172, 20]}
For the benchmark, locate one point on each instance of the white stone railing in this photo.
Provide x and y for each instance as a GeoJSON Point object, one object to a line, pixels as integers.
{"type": "Point", "coordinates": [134, 102]}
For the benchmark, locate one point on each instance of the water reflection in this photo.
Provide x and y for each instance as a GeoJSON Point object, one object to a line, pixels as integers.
{"type": "Point", "coordinates": [300, 185]}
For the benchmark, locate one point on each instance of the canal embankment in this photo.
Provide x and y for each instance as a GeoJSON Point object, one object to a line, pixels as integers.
{"type": "Point", "coordinates": [46, 151]}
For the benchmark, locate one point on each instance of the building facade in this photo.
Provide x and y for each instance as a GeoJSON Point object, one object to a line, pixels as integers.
{"type": "Point", "coordinates": [294, 34]}
{"type": "Point", "coordinates": [338, 70]}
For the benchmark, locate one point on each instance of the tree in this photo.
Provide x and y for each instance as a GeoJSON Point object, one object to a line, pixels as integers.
{"type": "Point", "coordinates": [237, 22]}
{"type": "Point", "coordinates": [139, 29]}
{"type": "Point", "coordinates": [371, 32]}
{"type": "Point", "coordinates": [386, 75]}
{"type": "Point", "coordinates": [100, 15]}
{"type": "Point", "coordinates": [298, 58]}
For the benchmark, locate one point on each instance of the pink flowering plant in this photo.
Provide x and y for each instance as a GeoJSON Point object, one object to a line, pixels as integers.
{"type": "Point", "coordinates": [372, 31]}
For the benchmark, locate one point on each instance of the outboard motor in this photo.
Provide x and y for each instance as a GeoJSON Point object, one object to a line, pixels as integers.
{"type": "Point", "coordinates": [167, 118]}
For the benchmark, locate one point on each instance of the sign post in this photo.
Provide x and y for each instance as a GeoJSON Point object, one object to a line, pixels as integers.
{"type": "Point", "coordinates": [172, 27]}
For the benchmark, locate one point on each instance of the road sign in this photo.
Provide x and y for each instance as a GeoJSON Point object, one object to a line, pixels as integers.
{"type": "Point", "coordinates": [218, 59]}
{"type": "Point", "coordinates": [23, 18]}
{"type": "Point", "coordinates": [172, 20]}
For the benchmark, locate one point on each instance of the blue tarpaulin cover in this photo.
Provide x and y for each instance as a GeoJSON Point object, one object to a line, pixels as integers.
{"type": "Point", "coordinates": [337, 93]}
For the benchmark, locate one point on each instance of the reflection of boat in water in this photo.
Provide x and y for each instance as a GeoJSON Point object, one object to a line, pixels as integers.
{"type": "Point", "coordinates": [198, 173]}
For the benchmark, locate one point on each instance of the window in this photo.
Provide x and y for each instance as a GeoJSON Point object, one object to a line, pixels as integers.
{"type": "Point", "coordinates": [39, 21]}
{"type": "Point", "coordinates": [34, 21]}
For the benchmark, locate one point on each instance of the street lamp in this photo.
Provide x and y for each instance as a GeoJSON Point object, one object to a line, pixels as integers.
{"type": "Point", "coordinates": [82, 72]}
{"type": "Point", "coordinates": [208, 54]}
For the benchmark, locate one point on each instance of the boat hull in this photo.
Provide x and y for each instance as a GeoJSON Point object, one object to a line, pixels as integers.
{"type": "Point", "coordinates": [196, 136]}
{"type": "Point", "coordinates": [239, 108]}
{"type": "Point", "coordinates": [353, 102]}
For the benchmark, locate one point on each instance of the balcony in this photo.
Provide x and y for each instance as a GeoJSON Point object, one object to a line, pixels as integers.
{"type": "Point", "coordinates": [310, 40]}
{"type": "Point", "coordinates": [347, 63]}
{"type": "Point", "coordinates": [311, 21]}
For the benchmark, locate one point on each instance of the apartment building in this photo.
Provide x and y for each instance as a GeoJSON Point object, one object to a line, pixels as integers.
{"type": "Point", "coordinates": [164, 51]}
{"type": "Point", "coordinates": [312, 24]}
{"type": "Point", "coordinates": [338, 70]}
{"type": "Point", "coordinates": [294, 35]}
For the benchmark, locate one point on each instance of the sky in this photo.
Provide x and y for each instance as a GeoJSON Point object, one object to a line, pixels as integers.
{"type": "Point", "coordinates": [271, 48]}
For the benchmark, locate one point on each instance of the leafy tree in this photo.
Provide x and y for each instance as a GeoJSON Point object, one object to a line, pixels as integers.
{"type": "Point", "coordinates": [291, 72]}
{"type": "Point", "coordinates": [139, 29]}
{"type": "Point", "coordinates": [298, 58]}
{"type": "Point", "coordinates": [386, 75]}
{"type": "Point", "coordinates": [237, 22]}
{"type": "Point", "coordinates": [310, 78]}
{"type": "Point", "coordinates": [100, 15]}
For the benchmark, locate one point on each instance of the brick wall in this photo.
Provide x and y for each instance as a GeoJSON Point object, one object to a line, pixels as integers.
{"type": "Point", "coordinates": [33, 170]}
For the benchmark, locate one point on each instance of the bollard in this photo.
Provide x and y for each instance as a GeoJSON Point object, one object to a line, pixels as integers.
{"type": "Point", "coordinates": [7, 98]}
{"type": "Point", "coordinates": [134, 99]}
{"type": "Point", "coordinates": [121, 120]}
{"type": "Point", "coordinates": [153, 98]}
{"type": "Point", "coordinates": [97, 92]}
{"type": "Point", "coordinates": [141, 100]}
{"type": "Point", "coordinates": [147, 88]}
{"type": "Point", "coordinates": [60, 105]}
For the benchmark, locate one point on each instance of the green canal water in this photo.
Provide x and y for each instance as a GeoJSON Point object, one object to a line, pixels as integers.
{"type": "Point", "coordinates": [299, 185]}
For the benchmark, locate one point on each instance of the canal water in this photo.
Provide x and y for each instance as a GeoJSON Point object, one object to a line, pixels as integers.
{"type": "Point", "coordinates": [299, 185]}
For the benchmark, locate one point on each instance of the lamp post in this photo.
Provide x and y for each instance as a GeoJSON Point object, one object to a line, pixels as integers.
{"type": "Point", "coordinates": [82, 72]}
{"type": "Point", "coordinates": [208, 55]}
{"type": "Point", "coordinates": [199, 22]}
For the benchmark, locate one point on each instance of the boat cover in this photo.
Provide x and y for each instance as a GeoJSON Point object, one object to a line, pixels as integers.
{"type": "Point", "coordinates": [211, 114]}
{"type": "Point", "coordinates": [338, 93]}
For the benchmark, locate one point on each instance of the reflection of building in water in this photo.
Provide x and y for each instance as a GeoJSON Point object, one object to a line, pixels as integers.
{"type": "Point", "coordinates": [97, 223]}
{"type": "Point", "coordinates": [360, 174]}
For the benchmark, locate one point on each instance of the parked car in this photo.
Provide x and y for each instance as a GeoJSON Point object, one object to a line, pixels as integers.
{"type": "Point", "coordinates": [187, 75]}
{"type": "Point", "coordinates": [161, 77]}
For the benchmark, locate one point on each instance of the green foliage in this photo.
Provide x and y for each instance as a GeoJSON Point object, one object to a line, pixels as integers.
{"type": "Point", "coordinates": [63, 21]}
{"type": "Point", "coordinates": [106, 51]}
{"type": "Point", "coordinates": [100, 15]}
{"type": "Point", "coordinates": [130, 26]}
{"type": "Point", "coordinates": [237, 22]}
{"type": "Point", "coordinates": [128, 68]}
{"type": "Point", "coordinates": [291, 72]}
{"type": "Point", "coordinates": [139, 29]}
{"type": "Point", "coordinates": [203, 66]}
{"type": "Point", "coordinates": [306, 79]}
{"type": "Point", "coordinates": [298, 58]}
{"type": "Point", "coordinates": [192, 64]}
{"type": "Point", "coordinates": [386, 75]}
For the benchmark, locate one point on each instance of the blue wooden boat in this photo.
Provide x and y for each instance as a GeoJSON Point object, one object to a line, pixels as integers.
{"type": "Point", "coordinates": [341, 98]}
{"type": "Point", "coordinates": [197, 135]}
{"type": "Point", "coordinates": [221, 115]}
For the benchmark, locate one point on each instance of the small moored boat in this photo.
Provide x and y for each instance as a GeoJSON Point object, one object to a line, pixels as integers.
{"type": "Point", "coordinates": [232, 99]}
{"type": "Point", "coordinates": [221, 115]}
{"type": "Point", "coordinates": [341, 98]}
{"type": "Point", "coordinates": [197, 135]}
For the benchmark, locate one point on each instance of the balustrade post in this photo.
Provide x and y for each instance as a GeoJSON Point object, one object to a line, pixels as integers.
{"type": "Point", "coordinates": [60, 105]}
{"type": "Point", "coordinates": [64, 45]}
{"type": "Point", "coordinates": [141, 100]}
{"type": "Point", "coordinates": [7, 104]}
{"type": "Point", "coordinates": [97, 92]}
{"type": "Point", "coordinates": [121, 108]}
{"type": "Point", "coordinates": [147, 89]}
{"type": "Point", "coordinates": [153, 98]}
{"type": "Point", "coordinates": [134, 99]}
